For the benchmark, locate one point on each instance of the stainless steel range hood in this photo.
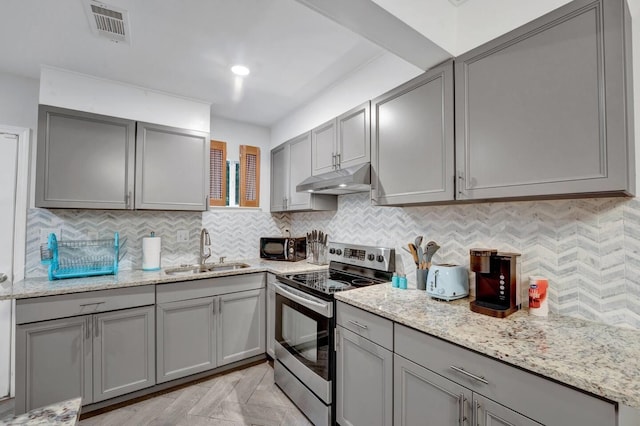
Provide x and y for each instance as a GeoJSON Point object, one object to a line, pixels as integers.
{"type": "Point", "coordinates": [338, 182]}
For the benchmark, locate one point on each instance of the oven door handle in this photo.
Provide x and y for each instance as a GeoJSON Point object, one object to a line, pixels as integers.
{"type": "Point", "coordinates": [323, 308]}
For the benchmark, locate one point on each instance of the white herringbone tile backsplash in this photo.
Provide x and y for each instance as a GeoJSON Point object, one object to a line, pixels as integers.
{"type": "Point", "coordinates": [588, 248]}
{"type": "Point", "coordinates": [234, 234]}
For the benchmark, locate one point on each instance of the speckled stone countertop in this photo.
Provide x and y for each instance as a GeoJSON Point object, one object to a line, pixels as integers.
{"type": "Point", "coordinates": [63, 413]}
{"type": "Point", "coordinates": [600, 359]}
{"type": "Point", "coordinates": [41, 286]}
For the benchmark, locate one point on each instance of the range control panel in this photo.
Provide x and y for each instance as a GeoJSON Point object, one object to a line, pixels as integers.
{"type": "Point", "coordinates": [381, 258]}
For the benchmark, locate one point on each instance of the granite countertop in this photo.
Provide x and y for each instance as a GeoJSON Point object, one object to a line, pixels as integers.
{"type": "Point", "coordinates": [601, 359]}
{"type": "Point", "coordinates": [63, 413]}
{"type": "Point", "coordinates": [41, 286]}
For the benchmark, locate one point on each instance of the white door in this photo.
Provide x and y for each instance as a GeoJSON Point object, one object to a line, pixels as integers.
{"type": "Point", "coordinates": [8, 176]}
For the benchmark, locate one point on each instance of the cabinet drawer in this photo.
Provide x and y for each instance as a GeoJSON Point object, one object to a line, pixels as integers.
{"type": "Point", "coordinates": [68, 305]}
{"type": "Point", "coordinates": [366, 324]}
{"type": "Point", "coordinates": [193, 289]}
{"type": "Point", "coordinates": [529, 394]}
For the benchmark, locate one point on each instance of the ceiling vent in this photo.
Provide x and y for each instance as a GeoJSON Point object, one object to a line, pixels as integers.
{"type": "Point", "coordinates": [108, 21]}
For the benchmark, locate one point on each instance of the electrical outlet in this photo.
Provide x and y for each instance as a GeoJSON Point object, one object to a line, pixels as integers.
{"type": "Point", "coordinates": [44, 234]}
{"type": "Point", "coordinates": [182, 236]}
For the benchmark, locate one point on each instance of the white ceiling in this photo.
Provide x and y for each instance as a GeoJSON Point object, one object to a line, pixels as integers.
{"type": "Point", "coordinates": [187, 47]}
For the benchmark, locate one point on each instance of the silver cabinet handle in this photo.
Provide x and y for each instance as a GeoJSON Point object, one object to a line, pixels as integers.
{"type": "Point", "coordinates": [96, 331]}
{"type": "Point", "coordinates": [333, 160]}
{"type": "Point", "coordinates": [461, 417]}
{"type": "Point", "coordinates": [460, 183]}
{"type": "Point", "coordinates": [357, 324]}
{"type": "Point", "coordinates": [476, 413]}
{"type": "Point", "coordinates": [92, 303]}
{"type": "Point", "coordinates": [129, 200]}
{"type": "Point", "coordinates": [3, 277]}
{"type": "Point", "coordinates": [338, 160]}
{"type": "Point", "coordinates": [87, 326]}
{"type": "Point", "coordinates": [466, 373]}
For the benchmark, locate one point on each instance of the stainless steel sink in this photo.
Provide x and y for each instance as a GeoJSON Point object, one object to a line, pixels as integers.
{"type": "Point", "coordinates": [211, 267]}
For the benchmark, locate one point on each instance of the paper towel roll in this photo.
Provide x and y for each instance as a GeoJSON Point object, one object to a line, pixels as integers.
{"type": "Point", "coordinates": [151, 247]}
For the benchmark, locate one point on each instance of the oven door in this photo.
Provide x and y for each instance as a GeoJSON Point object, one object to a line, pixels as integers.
{"type": "Point", "coordinates": [304, 338]}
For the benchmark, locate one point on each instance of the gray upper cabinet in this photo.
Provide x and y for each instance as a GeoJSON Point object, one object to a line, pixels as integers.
{"type": "Point", "coordinates": [354, 136]}
{"type": "Point", "coordinates": [323, 148]}
{"type": "Point", "coordinates": [342, 142]}
{"type": "Point", "coordinates": [95, 161]}
{"type": "Point", "coordinates": [290, 165]}
{"type": "Point", "coordinates": [172, 168]}
{"type": "Point", "coordinates": [412, 144]}
{"type": "Point", "coordinates": [546, 110]}
{"type": "Point", "coordinates": [84, 160]}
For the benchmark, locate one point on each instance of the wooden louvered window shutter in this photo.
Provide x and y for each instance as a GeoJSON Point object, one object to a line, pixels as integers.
{"type": "Point", "coordinates": [249, 176]}
{"type": "Point", "coordinates": [218, 173]}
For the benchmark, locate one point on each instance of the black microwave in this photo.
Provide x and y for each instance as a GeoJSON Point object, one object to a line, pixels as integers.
{"type": "Point", "coordinates": [283, 248]}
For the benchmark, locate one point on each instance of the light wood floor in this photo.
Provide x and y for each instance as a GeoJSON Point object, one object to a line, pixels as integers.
{"type": "Point", "coordinates": [242, 397]}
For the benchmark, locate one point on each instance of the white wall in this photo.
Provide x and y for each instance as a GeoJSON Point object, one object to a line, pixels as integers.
{"type": "Point", "coordinates": [236, 133]}
{"type": "Point", "coordinates": [68, 89]}
{"type": "Point", "coordinates": [375, 78]}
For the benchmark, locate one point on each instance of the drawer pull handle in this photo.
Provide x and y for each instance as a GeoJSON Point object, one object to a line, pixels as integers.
{"type": "Point", "coordinates": [92, 303]}
{"type": "Point", "coordinates": [466, 373]}
{"type": "Point", "coordinates": [357, 324]}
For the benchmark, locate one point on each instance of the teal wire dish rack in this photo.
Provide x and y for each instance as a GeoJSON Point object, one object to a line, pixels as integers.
{"type": "Point", "coordinates": [82, 258]}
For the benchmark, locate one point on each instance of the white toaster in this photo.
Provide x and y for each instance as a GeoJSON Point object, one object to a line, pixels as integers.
{"type": "Point", "coordinates": [448, 282]}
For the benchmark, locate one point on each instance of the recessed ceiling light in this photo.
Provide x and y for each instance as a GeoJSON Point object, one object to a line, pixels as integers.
{"type": "Point", "coordinates": [240, 70]}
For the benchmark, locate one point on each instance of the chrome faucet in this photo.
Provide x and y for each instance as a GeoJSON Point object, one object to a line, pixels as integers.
{"type": "Point", "coordinates": [205, 240]}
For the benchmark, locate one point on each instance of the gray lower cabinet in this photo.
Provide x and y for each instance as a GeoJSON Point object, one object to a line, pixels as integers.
{"type": "Point", "coordinates": [97, 356]}
{"type": "Point", "coordinates": [488, 413]}
{"type": "Point", "coordinates": [186, 337]}
{"type": "Point", "coordinates": [123, 352]}
{"type": "Point", "coordinates": [290, 165]}
{"type": "Point", "coordinates": [172, 168]}
{"type": "Point", "coordinates": [241, 325]}
{"type": "Point", "coordinates": [412, 141]}
{"type": "Point", "coordinates": [53, 362]}
{"type": "Point", "coordinates": [364, 387]}
{"type": "Point", "coordinates": [84, 160]}
{"type": "Point", "coordinates": [546, 109]}
{"type": "Point", "coordinates": [421, 395]}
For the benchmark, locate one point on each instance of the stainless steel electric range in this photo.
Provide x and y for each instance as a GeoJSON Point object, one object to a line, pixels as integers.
{"type": "Point", "coordinates": [305, 362]}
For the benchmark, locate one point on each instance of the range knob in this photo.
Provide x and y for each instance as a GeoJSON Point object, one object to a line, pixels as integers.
{"type": "Point", "coordinates": [380, 258]}
{"type": "Point", "coordinates": [371, 257]}
{"type": "Point", "coordinates": [332, 250]}
{"type": "Point", "coordinates": [339, 252]}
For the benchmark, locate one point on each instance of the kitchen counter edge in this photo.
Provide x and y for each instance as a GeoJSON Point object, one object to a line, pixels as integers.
{"type": "Point", "coordinates": [41, 286]}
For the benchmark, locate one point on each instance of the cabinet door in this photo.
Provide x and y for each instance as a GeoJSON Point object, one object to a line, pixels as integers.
{"type": "Point", "coordinates": [271, 320]}
{"type": "Point", "coordinates": [84, 160]}
{"type": "Point", "coordinates": [123, 352]}
{"type": "Point", "coordinates": [323, 148]}
{"type": "Point", "coordinates": [241, 326]}
{"type": "Point", "coordinates": [413, 141]}
{"type": "Point", "coordinates": [364, 388]}
{"type": "Point", "coordinates": [279, 178]}
{"type": "Point", "coordinates": [53, 362]}
{"type": "Point", "coordinates": [421, 394]}
{"type": "Point", "coordinates": [186, 338]}
{"type": "Point", "coordinates": [541, 110]}
{"type": "Point", "coordinates": [299, 169]}
{"type": "Point", "coordinates": [354, 137]}
{"type": "Point", "coordinates": [489, 413]}
{"type": "Point", "coordinates": [172, 168]}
